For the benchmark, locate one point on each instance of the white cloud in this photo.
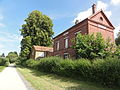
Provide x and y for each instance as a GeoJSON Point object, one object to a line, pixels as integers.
{"type": "Point", "coordinates": [117, 29]}
{"type": "Point", "coordinates": [100, 5]}
{"type": "Point", "coordinates": [2, 25]}
{"type": "Point", "coordinates": [9, 42]}
{"type": "Point", "coordinates": [115, 2]}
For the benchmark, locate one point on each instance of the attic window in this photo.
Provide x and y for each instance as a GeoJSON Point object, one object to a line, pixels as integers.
{"type": "Point", "coordinates": [101, 19]}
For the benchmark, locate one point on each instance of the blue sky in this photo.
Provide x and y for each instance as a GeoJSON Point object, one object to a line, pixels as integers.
{"type": "Point", "coordinates": [62, 12]}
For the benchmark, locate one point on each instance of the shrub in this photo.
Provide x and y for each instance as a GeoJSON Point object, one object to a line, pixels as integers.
{"type": "Point", "coordinates": [66, 68]}
{"type": "Point", "coordinates": [50, 64]}
{"type": "Point", "coordinates": [83, 68]}
{"type": "Point", "coordinates": [4, 61]}
{"type": "Point", "coordinates": [32, 63]}
{"type": "Point", "coordinates": [103, 71]}
{"type": "Point", "coordinates": [92, 46]}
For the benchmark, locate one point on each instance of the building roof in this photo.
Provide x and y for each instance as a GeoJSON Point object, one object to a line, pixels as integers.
{"type": "Point", "coordinates": [43, 48]}
{"type": "Point", "coordinates": [88, 18]}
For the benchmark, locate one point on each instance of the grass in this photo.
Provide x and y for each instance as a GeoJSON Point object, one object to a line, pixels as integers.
{"type": "Point", "coordinates": [1, 68]}
{"type": "Point", "coordinates": [44, 81]}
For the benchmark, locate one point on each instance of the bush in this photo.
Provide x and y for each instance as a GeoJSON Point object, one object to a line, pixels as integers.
{"type": "Point", "coordinates": [32, 63]}
{"type": "Point", "coordinates": [51, 64]}
{"type": "Point", "coordinates": [103, 71]}
{"type": "Point", "coordinates": [4, 61]}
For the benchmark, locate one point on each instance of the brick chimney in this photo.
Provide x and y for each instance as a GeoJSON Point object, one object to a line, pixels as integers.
{"type": "Point", "coordinates": [93, 8]}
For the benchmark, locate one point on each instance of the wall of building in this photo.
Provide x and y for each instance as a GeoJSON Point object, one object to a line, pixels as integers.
{"type": "Point", "coordinates": [106, 32]}
{"type": "Point", "coordinates": [70, 34]}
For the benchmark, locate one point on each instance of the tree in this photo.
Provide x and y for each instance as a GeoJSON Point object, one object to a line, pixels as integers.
{"type": "Point", "coordinates": [117, 40]}
{"type": "Point", "coordinates": [12, 56]}
{"type": "Point", "coordinates": [36, 31]}
{"type": "Point", "coordinates": [3, 55]}
{"type": "Point", "coordinates": [91, 46]}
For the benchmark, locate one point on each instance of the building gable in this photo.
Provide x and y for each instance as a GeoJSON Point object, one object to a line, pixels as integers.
{"type": "Point", "coordinates": [101, 18]}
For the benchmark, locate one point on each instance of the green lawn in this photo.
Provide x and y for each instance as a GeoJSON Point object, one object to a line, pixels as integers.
{"type": "Point", "coordinates": [43, 81]}
{"type": "Point", "coordinates": [1, 68]}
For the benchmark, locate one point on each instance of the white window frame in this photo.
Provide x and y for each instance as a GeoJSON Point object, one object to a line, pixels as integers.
{"type": "Point", "coordinates": [66, 42]}
{"type": "Point", "coordinates": [58, 45]}
{"type": "Point", "coordinates": [67, 55]}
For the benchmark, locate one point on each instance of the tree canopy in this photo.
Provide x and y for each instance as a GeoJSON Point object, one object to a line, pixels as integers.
{"type": "Point", "coordinates": [91, 46]}
{"type": "Point", "coordinates": [117, 40]}
{"type": "Point", "coordinates": [37, 30]}
{"type": "Point", "coordinates": [12, 56]}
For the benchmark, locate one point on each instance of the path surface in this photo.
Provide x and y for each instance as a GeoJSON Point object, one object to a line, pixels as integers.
{"type": "Point", "coordinates": [10, 79]}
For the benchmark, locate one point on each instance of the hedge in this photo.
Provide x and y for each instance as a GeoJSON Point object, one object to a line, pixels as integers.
{"type": "Point", "coordinates": [105, 72]}
{"type": "Point", "coordinates": [4, 61]}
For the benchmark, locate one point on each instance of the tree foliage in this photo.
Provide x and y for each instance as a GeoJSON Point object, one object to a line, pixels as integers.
{"type": "Point", "coordinates": [117, 40]}
{"type": "Point", "coordinates": [12, 56]}
{"type": "Point", "coordinates": [92, 46]}
{"type": "Point", "coordinates": [37, 30]}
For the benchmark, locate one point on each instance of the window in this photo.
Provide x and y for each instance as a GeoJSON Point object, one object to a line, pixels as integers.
{"type": "Point", "coordinates": [66, 55]}
{"type": "Point", "coordinates": [66, 42]}
{"type": "Point", "coordinates": [101, 19]}
{"type": "Point", "coordinates": [77, 32]}
{"type": "Point", "coordinates": [57, 45]}
{"type": "Point", "coordinates": [58, 55]}
{"type": "Point", "coordinates": [41, 54]}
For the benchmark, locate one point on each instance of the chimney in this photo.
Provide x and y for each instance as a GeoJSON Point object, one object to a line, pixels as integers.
{"type": "Point", "coordinates": [77, 21]}
{"type": "Point", "coordinates": [94, 8]}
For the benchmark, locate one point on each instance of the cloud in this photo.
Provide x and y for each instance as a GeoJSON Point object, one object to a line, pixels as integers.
{"type": "Point", "coordinates": [115, 2]}
{"type": "Point", "coordinates": [9, 42]}
{"type": "Point", "coordinates": [117, 29]}
{"type": "Point", "coordinates": [2, 25]}
{"type": "Point", "coordinates": [100, 5]}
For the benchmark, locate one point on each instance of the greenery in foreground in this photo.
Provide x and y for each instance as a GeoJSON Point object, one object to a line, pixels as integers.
{"type": "Point", "coordinates": [1, 68]}
{"type": "Point", "coordinates": [103, 71]}
{"type": "Point", "coordinates": [45, 81]}
{"type": "Point", "coordinates": [92, 46]}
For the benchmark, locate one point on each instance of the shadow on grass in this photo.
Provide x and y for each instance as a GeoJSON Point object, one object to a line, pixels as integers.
{"type": "Point", "coordinates": [77, 84]}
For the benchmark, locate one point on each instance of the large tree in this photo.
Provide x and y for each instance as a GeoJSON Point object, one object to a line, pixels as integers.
{"type": "Point", "coordinates": [37, 30]}
{"type": "Point", "coordinates": [117, 40]}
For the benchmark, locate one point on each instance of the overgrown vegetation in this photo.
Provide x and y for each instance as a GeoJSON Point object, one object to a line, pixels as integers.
{"type": "Point", "coordinates": [45, 81]}
{"type": "Point", "coordinates": [103, 71]}
{"type": "Point", "coordinates": [92, 46]}
{"type": "Point", "coordinates": [12, 56]}
{"type": "Point", "coordinates": [4, 61]}
{"type": "Point", "coordinates": [117, 40]}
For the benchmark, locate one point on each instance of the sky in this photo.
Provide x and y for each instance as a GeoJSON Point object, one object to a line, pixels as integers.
{"type": "Point", "coordinates": [62, 12]}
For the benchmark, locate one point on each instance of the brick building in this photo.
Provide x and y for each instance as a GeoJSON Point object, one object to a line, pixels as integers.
{"type": "Point", "coordinates": [97, 22]}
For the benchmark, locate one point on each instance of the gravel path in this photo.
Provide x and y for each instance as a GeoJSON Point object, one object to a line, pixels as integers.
{"type": "Point", "coordinates": [10, 79]}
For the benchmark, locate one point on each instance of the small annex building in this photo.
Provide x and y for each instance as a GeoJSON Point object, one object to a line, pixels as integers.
{"type": "Point", "coordinates": [40, 52]}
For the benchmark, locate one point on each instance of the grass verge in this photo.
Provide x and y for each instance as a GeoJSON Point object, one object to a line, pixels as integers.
{"type": "Point", "coordinates": [44, 81]}
{"type": "Point", "coordinates": [1, 68]}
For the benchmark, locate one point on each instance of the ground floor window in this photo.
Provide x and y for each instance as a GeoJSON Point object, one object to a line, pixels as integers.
{"type": "Point", "coordinates": [66, 55]}
{"type": "Point", "coordinates": [58, 55]}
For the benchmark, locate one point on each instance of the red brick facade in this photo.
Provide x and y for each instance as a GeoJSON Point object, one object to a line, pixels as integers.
{"type": "Point", "coordinates": [97, 22]}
